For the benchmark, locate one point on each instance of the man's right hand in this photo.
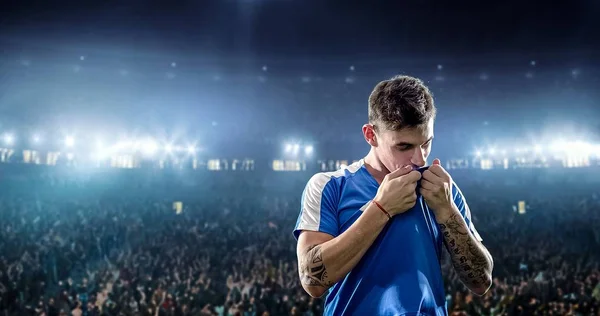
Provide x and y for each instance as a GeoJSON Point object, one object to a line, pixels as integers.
{"type": "Point", "coordinates": [397, 193]}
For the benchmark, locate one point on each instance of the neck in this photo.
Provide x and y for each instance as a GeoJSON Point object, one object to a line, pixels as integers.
{"type": "Point", "coordinates": [375, 167]}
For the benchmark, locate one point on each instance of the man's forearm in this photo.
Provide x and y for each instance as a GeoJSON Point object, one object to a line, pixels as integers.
{"type": "Point", "coordinates": [323, 265]}
{"type": "Point", "coordinates": [470, 259]}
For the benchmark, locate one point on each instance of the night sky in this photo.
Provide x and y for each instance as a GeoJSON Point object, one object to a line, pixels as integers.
{"type": "Point", "coordinates": [311, 29]}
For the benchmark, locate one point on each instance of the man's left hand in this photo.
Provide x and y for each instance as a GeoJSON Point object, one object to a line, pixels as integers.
{"type": "Point", "coordinates": [436, 188]}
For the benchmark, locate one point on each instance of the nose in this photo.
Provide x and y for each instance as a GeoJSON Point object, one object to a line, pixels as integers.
{"type": "Point", "coordinates": [418, 158]}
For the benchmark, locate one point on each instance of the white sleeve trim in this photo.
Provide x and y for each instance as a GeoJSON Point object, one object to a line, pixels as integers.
{"type": "Point", "coordinates": [312, 203]}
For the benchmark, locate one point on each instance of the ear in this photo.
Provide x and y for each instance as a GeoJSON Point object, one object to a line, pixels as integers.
{"type": "Point", "coordinates": [369, 134]}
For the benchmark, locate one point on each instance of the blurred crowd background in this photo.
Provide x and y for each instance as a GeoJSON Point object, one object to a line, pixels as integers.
{"type": "Point", "coordinates": [110, 244]}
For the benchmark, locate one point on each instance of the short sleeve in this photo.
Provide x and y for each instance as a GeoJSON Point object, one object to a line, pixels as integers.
{"type": "Point", "coordinates": [318, 210]}
{"type": "Point", "coordinates": [463, 207]}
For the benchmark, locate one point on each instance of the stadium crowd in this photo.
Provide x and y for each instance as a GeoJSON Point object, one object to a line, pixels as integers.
{"type": "Point", "coordinates": [104, 244]}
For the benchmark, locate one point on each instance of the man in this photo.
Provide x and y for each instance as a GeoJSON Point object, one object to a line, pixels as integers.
{"type": "Point", "coordinates": [371, 234]}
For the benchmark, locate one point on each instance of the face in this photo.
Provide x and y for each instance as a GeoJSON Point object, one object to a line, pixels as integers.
{"type": "Point", "coordinates": [396, 149]}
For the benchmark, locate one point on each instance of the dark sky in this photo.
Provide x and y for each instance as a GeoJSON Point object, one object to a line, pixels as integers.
{"type": "Point", "coordinates": [310, 28]}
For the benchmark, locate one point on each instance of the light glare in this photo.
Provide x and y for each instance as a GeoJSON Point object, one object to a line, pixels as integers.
{"type": "Point", "coordinates": [69, 141]}
{"type": "Point", "coordinates": [9, 139]}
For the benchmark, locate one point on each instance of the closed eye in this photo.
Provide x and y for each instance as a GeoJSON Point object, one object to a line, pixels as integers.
{"type": "Point", "coordinates": [404, 147]}
{"type": "Point", "coordinates": [407, 146]}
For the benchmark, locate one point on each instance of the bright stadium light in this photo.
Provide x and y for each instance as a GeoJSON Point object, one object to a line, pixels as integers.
{"type": "Point", "coordinates": [296, 149]}
{"type": "Point", "coordinates": [9, 139]}
{"type": "Point", "coordinates": [578, 148]}
{"type": "Point", "coordinates": [169, 148]}
{"type": "Point", "coordinates": [127, 145]}
{"type": "Point", "coordinates": [308, 149]}
{"type": "Point", "coordinates": [99, 155]}
{"type": "Point", "coordinates": [36, 139]}
{"type": "Point", "coordinates": [149, 147]}
{"type": "Point", "coordinates": [558, 146]}
{"type": "Point", "coordinates": [69, 141]}
{"type": "Point", "coordinates": [478, 153]}
{"type": "Point", "coordinates": [120, 145]}
{"type": "Point", "coordinates": [289, 148]}
{"type": "Point", "coordinates": [102, 151]}
{"type": "Point", "coordinates": [492, 151]}
{"type": "Point", "coordinates": [137, 145]}
{"type": "Point", "coordinates": [191, 149]}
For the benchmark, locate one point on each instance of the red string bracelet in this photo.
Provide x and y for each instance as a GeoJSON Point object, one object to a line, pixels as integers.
{"type": "Point", "coordinates": [382, 209]}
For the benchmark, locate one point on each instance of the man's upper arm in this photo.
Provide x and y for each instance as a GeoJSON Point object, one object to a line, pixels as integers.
{"type": "Point", "coordinates": [318, 210]}
{"type": "Point", "coordinates": [463, 207]}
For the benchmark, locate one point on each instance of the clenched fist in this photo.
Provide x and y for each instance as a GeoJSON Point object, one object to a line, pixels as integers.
{"type": "Point", "coordinates": [436, 188]}
{"type": "Point", "coordinates": [397, 193]}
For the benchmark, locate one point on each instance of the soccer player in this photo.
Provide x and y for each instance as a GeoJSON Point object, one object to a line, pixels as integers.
{"type": "Point", "coordinates": [371, 234]}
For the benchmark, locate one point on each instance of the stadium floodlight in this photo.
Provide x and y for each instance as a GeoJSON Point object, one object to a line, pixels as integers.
{"type": "Point", "coordinates": [9, 139]}
{"type": "Point", "coordinates": [168, 148]}
{"type": "Point", "coordinates": [492, 151]}
{"type": "Point", "coordinates": [578, 148]}
{"type": "Point", "coordinates": [597, 150]}
{"type": "Point", "coordinates": [191, 149]}
{"type": "Point", "coordinates": [478, 153]}
{"type": "Point", "coordinates": [558, 146]}
{"type": "Point", "coordinates": [289, 148]}
{"type": "Point", "coordinates": [308, 149]}
{"type": "Point", "coordinates": [296, 148]}
{"type": "Point", "coordinates": [69, 141]}
{"type": "Point", "coordinates": [137, 145]}
{"type": "Point", "coordinates": [120, 145]}
{"type": "Point", "coordinates": [149, 147]}
{"type": "Point", "coordinates": [36, 139]}
{"type": "Point", "coordinates": [99, 155]}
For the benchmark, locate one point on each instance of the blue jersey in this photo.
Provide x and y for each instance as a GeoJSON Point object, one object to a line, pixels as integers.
{"type": "Point", "coordinates": [401, 273]}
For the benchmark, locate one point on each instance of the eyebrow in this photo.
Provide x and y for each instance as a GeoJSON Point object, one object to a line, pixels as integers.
{"type": "Point", "coordinates": [409, 144]}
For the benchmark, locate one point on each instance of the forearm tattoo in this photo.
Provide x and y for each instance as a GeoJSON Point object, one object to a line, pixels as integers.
{"type": "Point", "coordinates": [469, 260]}
{"type": "Point", "coordinates": [312, 269]}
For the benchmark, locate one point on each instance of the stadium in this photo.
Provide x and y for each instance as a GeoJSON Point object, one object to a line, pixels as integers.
{"type": "Point", "coordinates": [149, 168]}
